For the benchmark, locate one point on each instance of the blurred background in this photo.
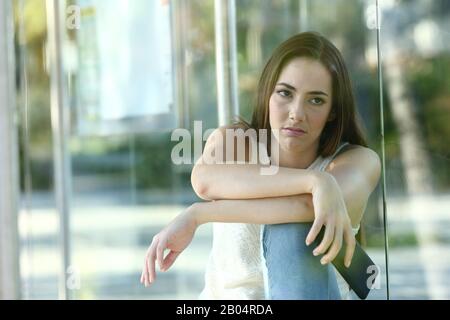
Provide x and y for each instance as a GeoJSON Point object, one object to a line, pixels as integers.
{"type": "Point", "coordinates": [91, 90]}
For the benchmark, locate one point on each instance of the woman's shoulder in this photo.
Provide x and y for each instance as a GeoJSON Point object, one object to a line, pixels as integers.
{"type": "Point", "coordinates": [349, 146]}
{"type": "Point", "coordinates": [361, 159]}
{"type": "Point", "coordinates": [360, 150]}
{"type": "Point", "coordinates": [358, 154]}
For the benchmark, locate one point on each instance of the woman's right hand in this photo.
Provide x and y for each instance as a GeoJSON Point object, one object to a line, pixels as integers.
{"type": "Point", "coordinates": [330, 211]}
{"type": "Point", "coordinates": [176, 236]}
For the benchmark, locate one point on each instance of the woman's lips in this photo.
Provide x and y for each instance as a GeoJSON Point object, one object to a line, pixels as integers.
{"type": "Point", "coordinates": [294, 132]}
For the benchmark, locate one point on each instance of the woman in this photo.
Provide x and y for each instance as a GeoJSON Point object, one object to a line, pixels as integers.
{"type": "Point", "coordinates": [325, 176]}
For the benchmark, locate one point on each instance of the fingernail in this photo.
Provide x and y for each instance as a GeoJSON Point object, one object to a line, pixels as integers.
{"type": "Point", "coordinates": [323, 261]}
{"type": "Point", "coordinates": [315, 253]}
{"type": "Point", "coordinates": [307, 242]}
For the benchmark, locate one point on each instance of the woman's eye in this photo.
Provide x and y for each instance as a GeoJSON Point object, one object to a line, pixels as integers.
{"type": "Point", "coordinates": [317, 101]}
{"type": "Point", "coordinates": [284, 93]}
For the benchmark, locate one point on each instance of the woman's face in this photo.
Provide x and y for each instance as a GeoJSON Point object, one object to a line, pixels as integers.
{"type": "Point", "coordinates": [300, 104]}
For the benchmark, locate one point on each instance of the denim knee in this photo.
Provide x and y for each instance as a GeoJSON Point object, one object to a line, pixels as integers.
{"type": "Point", "coordinates": [293, 272]}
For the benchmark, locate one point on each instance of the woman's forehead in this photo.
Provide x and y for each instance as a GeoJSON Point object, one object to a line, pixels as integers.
{"type": "Point", "coordinates": [306, 74]}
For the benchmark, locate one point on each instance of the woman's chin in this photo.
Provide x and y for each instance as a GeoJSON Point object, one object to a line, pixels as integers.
{"type": "Point", "coordinates": [291, 145]}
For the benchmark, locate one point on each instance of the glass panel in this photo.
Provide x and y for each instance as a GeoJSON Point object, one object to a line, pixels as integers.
{"type": "Point", "coordinates": [351, 26]}
{"type": "Point", "coordinates": [124, 186]}
{"type": "Point", "coordinates": [38, 224]}
{"type": "Point", "coordinates": [109, 51]}
{"type": "Point", "coordinates": [416, 64]}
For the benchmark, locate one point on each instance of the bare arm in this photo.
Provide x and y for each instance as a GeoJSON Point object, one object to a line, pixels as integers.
{"type": "Point", "coordinates": [288, 209]}
{"type": "Point", "coordinates": [355, 182]}
{"type": "Point", "coordinates": [355, 171]}
{"type": "Point", "coordinates": [337, 198]}
{"type": "Point", "coordinates": [345, 188]}
{"type": "Point", "coordinates": [179, 233]}
{"type": "Point", "coordinates": [244, 181]}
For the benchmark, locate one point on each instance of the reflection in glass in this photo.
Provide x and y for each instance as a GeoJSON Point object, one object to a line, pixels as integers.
{"type": "Point", "coordinates": [416, 62]}
{"type": "Point", "coordinates": [125, 187]}
{"type": "Point", "coordinates": [124, 65]}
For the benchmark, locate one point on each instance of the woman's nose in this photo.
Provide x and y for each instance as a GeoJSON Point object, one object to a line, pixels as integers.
{"type": "Point", "coordinates": [297, 112]}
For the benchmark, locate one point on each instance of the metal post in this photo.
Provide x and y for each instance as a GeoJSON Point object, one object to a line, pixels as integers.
{"type": "Point", "coordinates": [383, 155]}
{"type": "Point", "coordinates": [9, 176]}
{"type": "Point", "coordinates": [60, 129]}
{"type": "Point", "coordinates": [303, 7]}
{"type": "Point", "coordinates": [179, 22]}
{"type": "Point", "coordinates": [226, 60]}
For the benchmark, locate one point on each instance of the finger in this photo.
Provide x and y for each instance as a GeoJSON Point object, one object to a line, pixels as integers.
{"type": "Point", "coordinates": [170, 259]}
{"type": "Point", "coordinates": [315, 229]}
{"type": "Point", "coordinates": [160, 254]}
{"type": "Point", "coordinates": [146, 281]}
{"type": "Point", "coordinates": [351, 244]}
{"type": "Point", "coordinates": [151, 262]}
{"type": "Point", "coordinates": [151, 269]}
{"type": "Point", "coordinates": [151, 266]}
{"type": "Point", "coordinates": [327, 239]}
{"type": "Point", "coordinates": [146, 270]}
{"type": "Point", "coordinates": [335, 247]}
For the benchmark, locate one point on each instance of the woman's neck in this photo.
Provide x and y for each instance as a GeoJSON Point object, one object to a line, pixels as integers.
{"type": "Point", "coordinates": [296, 159]}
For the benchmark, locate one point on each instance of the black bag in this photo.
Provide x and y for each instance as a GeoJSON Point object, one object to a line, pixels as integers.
{"type": "Point", "coordinates": [361, 269]}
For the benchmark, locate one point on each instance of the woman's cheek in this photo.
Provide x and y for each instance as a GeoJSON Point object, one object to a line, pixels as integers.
{"type": "Point", "coordinates": [277, 108]}
{"type": "Point", "coordinates": [318, 123]}
{"type": "Point", "coordinates": [273, 113]}
{"type": "Point", "coordinates": [278, 100]}
{"type": "Point", "coordinates": [276, 118]}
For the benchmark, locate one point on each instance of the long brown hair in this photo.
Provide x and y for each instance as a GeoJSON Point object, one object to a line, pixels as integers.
{"type": "Point", "coordinates": [346, 125]}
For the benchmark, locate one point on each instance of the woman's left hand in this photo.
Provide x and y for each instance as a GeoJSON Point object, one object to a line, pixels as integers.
{"type": "Point", "coordinates": [175, 237]}
{"type": "Point", "coordinates": [330, 211]}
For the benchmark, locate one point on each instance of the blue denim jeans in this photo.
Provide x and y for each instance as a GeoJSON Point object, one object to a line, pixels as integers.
{"type": "Point", "coordinates": [292, 271]}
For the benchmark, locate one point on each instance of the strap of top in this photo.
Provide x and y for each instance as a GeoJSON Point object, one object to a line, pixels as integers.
{"type": "Point", "coordinates": [328, 159]}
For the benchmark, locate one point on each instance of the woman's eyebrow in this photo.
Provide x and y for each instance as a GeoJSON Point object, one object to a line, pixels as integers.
{"type": "Point", "coordinates": [286, 85]}
{"type": "Point", "coordinates": [293, 89]}
{"type": "Point", "coordinates": [318, 93]}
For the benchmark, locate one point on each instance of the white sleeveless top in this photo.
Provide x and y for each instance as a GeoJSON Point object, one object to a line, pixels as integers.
{"type": "Point", "coordinates": [236, 269]}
